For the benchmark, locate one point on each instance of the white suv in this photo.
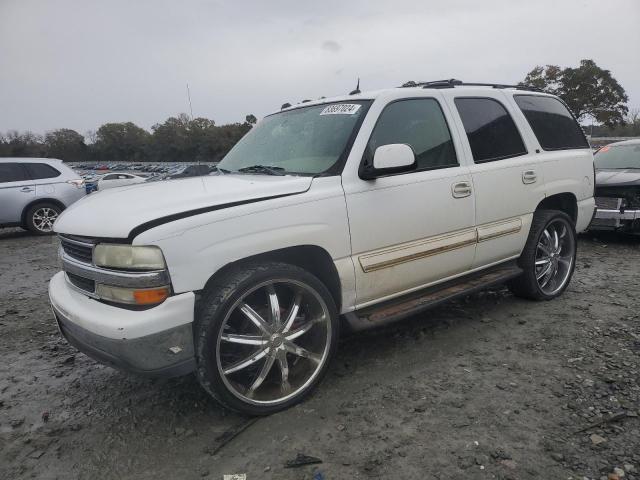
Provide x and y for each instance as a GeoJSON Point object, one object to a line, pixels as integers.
{"type": "Point", "coordinates": [33, 192]}
{"type": "Point", "coordinates": [348, 212]}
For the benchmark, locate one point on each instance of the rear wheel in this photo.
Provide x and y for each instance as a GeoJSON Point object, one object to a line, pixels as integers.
{"type": "Point", "coordinates": [548, 258]}
{"type": "Point", "coordinates": [264, 337]}
{"type": "Point", "coordinates": [40, 218]}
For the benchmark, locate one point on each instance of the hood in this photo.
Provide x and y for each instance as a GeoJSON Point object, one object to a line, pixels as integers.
{"type": "Point", "coordinates": [116, 212]}
{"type": "Point", "coordinates": [618, 178]}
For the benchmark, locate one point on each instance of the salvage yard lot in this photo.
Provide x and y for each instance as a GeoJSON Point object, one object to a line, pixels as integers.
{"type": "Point", "coordinates": [490, 386]}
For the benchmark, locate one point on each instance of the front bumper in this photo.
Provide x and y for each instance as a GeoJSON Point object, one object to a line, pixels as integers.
{"type": "Point", "coordinates": [157, 341]}
{"type": "Point", "coordinates": [614, 219]}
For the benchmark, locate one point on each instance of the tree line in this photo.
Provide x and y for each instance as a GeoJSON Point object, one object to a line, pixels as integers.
{"type": "Point", "coordinates": [177, 139]}
{"type": "Point", "coordinates": [591, 93]}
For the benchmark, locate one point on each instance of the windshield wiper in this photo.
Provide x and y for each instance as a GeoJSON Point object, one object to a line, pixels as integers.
{"type": "Point", "coordinates": [267, 169]}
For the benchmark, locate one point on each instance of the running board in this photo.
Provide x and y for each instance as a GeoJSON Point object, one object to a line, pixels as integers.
{"type": "Point", "coordinates": [416, 302]}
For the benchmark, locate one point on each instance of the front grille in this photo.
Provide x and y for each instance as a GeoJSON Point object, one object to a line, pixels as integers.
{"type": "Point", "coordinates": [82, 283]}
{"type": "Point", "coordinates": [608, 203]}
{"type": "Point", "coordinates": [76, 249]}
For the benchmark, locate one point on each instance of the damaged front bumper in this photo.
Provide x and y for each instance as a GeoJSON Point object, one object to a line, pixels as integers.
{"type": "Point", "coordinates": [156, 342]}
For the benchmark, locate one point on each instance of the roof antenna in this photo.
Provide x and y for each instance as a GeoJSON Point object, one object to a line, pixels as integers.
{"type": "Point", "coordinates": [357, 90]}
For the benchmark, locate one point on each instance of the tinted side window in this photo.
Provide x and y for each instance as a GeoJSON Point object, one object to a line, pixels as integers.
{"type": "Point", "coordinates": [109, 177]}
{"type": "Point", "coordinates": [39, 171]}
{"type": "Point", "coordinates": [490, 129]}
{"type": "Point", "coordinates": [12, 172]}
{"type": "Point", "coordinates": [419, 123]}
{"type": "Point", "coordinates": [553, 124]}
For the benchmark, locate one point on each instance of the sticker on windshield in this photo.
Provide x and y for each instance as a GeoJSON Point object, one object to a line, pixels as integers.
{"type": "Point", "coordinates": [341, 109]}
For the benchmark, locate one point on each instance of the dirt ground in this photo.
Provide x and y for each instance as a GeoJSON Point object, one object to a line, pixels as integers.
{"type": "Point", "coordinates": [486, 387]}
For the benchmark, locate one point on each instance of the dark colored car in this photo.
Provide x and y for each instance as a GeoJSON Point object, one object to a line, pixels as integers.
{"type": "Point", "coordinates": [193, 171]}
{"type": "Point", "coordinates": [618, 187]}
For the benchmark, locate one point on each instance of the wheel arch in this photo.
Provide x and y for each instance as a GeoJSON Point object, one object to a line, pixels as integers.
{"type": "Point", "coordinates": [58, 203]}
{"type": "Point", "coordinates": [565, 202]}
{"type": "Point", "coordinates": [316, 260]}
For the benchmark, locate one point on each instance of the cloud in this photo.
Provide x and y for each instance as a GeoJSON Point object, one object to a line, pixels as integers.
{"type": "Point", "coordinates": [79, 64]}
{"type": "Point", "coordinates": [331, 46]}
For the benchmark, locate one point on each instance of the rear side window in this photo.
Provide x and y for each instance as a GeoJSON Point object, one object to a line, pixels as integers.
{"type": "Point", "coordinates": [12, 172]}
{"type": "Point", "coordinates": [420, 124]}
{"type": "Point", "coordinates": [491, 131]}
{"type": "Point", "coordinates": [551, 121]}
{"type": "Point", "coordinates": [40, 171]}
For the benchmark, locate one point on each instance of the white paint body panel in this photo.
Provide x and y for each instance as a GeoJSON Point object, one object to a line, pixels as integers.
{"type": "Point", "coordinates": [386, 237]}
{"type": "Point", "coordinates": [115, 212]}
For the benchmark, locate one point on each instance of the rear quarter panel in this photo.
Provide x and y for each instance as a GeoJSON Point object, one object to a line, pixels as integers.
{"type": "Point", "coordinates": [571, 171]}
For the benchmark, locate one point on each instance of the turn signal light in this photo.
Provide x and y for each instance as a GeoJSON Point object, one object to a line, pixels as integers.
{"type": "Point", "coordinates": [150, 296]}
{"type": "Point", "coordinates": [133, 296]}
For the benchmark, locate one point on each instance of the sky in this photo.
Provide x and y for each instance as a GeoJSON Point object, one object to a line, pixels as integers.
{"type": "Point", "coordinates": [81, 63]}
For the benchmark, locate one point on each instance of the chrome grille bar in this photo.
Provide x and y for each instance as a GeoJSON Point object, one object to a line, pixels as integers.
{"type": "Point", "coordinates": [156, 278]}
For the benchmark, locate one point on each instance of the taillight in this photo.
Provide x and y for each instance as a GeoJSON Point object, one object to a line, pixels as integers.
{"type": "Point", "coordinates": [78, 182]}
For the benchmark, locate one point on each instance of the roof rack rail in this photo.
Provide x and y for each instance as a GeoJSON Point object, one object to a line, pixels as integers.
{"type": "Point", "coordinates": [452, 83]}
{"type": "Point", "coordinates": [433, 84]}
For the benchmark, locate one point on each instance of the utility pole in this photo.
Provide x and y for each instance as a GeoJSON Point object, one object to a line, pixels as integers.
{"type": "Point", "coordinates": [190, 107]}
{"type": "Point", "coordinates": [189, 97]}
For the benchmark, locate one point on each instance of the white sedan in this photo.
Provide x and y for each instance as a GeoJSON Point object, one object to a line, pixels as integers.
{"type": "Point", "coordinates": [111, 180]}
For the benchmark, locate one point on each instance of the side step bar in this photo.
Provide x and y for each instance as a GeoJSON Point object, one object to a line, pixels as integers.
{"type": "Point", "coordinates": [416, 302]}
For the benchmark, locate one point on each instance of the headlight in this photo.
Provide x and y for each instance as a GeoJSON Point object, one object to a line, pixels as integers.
{"type": "Point", "coordinates": [128, 257]}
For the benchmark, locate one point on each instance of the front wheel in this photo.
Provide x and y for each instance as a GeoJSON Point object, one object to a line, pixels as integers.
{"type": "Point", "coordinates": [548, 258]}
{"type": "Point", "coordinates": [264, 337]}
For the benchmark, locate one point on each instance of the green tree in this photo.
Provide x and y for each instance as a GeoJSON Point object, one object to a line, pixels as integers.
{"type": "Point", "coordinates": [65, 144]}
{"type": "Point", "coordinates": [588, 90]}
{"type": "Point", "coordinates": [122, 142]}
{"type": "Point", "coordinates": [16, 144]}
{"type": "Point", "coordinates": [170, 141]}
{"type": "Point", "coordinates": [182, 139]}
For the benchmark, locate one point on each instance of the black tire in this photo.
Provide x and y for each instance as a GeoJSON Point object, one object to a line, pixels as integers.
{"type": "Point", "coordinates": [212, 310]}
{"type": "Point", "coordinates": [37, 225]}
{"type": "Point", "coordinates": [526, 285]}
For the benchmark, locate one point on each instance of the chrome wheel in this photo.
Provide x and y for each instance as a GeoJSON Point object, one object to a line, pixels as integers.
{"type": "Point", "coordinates": [555, 255]}
{"type": "Point", "coordinates": [43, 219]}
{"type": "Point", "coordinates": [273, 342]}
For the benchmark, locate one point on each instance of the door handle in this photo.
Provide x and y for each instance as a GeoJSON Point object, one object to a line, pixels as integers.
{"type": "Point", "coordinates": [461, 189]}
{"type": "Point", "coordinates": [529, 176]}
{"type": "Point", "coordinates": [26, 189]}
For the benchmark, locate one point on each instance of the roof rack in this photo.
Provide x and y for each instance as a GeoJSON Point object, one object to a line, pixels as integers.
{"type": "Point", "coordinates": [452, 83]}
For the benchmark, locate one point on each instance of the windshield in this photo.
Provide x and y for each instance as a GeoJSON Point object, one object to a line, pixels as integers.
{"type": "Point", "coordinates": [304, 141]}
{"type": "Point", "coordinates": [618, 156]}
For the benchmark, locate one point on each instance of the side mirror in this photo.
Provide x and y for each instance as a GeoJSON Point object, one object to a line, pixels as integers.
{"type": "Point", "coordinates": [389, 159]}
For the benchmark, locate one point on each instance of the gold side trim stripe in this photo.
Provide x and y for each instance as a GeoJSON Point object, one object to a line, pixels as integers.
{"type": "Point", "coordinates": [408, 252]}
{"type": "Point", "coordinates": [499, 229]}
{"type": "Point", "coordinates": [427, 247]}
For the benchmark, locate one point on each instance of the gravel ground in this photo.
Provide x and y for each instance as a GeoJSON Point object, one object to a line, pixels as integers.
{"type": "Point", "coordinates": [486, 387]}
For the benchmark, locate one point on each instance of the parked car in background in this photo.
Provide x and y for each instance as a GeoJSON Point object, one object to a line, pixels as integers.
{"type": "Point", "coordinates": [116, 179]}
{"type": "Point", "coordinates": [349, 212]}
{"type": "Point", "coordinates": [192, 171]}
{"type": "Point", "coordinates": [618, 187]}
{"type": "Point", "coordinates": [34, 191]}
